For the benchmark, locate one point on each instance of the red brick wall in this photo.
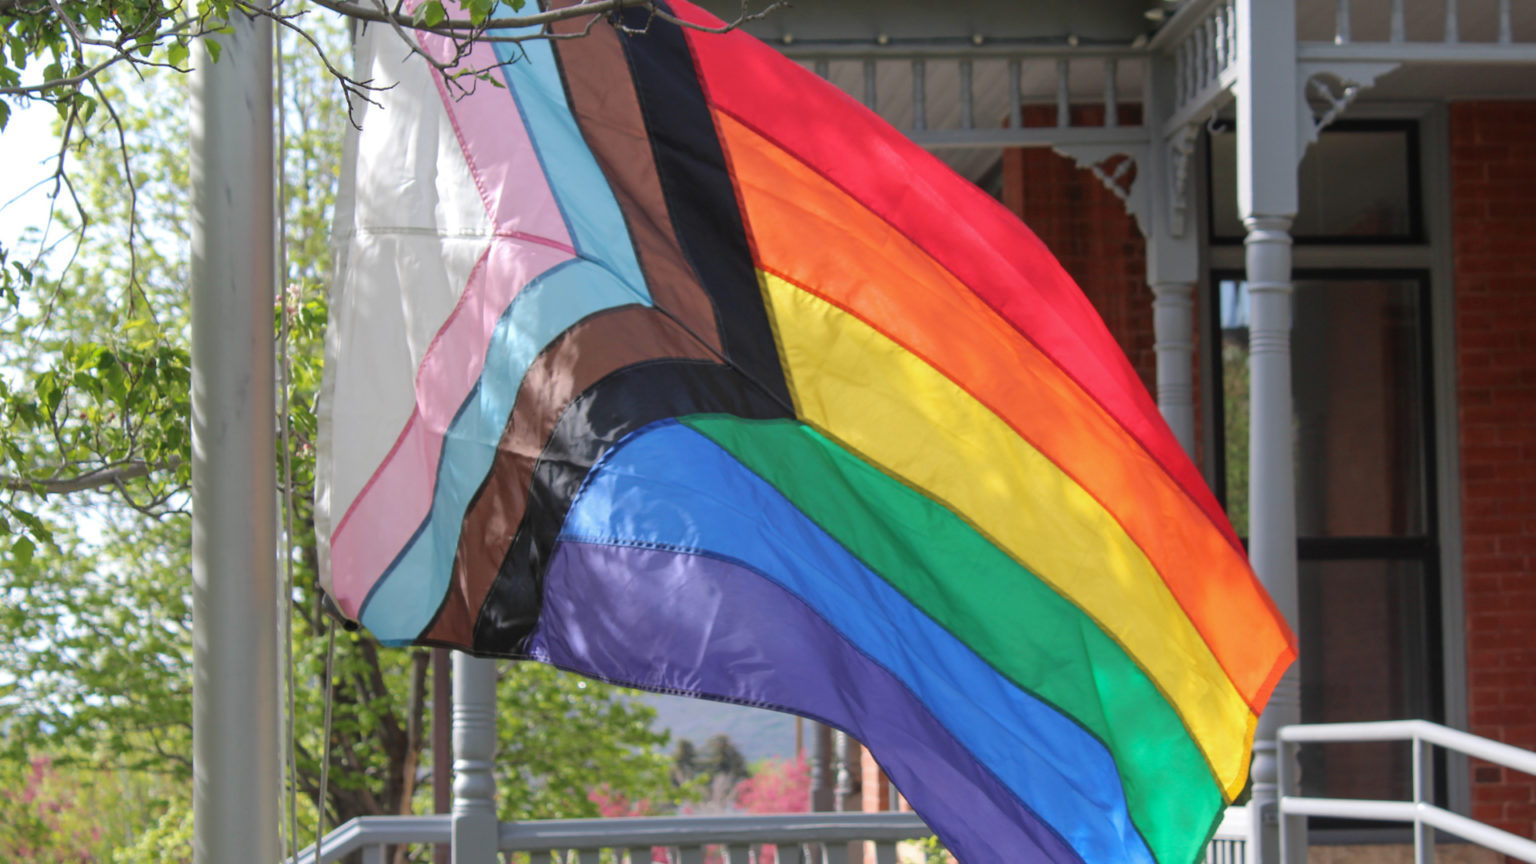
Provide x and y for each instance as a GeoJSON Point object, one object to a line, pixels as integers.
{"type": "Point", "coordinates": [1493, 166]}
{"type": "Point", "coordinates": [1089, 231]}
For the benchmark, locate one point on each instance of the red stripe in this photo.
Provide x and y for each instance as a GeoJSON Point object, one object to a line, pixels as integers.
{"type": "Point", "coordinates": [963, 228]}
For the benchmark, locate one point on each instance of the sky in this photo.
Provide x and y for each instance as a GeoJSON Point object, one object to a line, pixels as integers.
{"type": "Point", "coordinates": [27, 151]}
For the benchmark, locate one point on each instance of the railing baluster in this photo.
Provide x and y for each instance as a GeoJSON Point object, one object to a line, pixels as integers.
{"type": "Point", "coordinates": [1452, 23]}
{"type": "Point", "coordinates": [836, 853]}
{"type": "Point", "coordinates": [885, 852]}
{"type": "Point", "coordinates": [1506, 29]}
{"type": "Point", "coordinates": [919, 95]}
{"type": "Point", "coordinates": [1231, 32]}
{"type": "Point", "coordinates": [692, 855]}
{"type": "Point", "coordinates": [1423, 793]}
{"type": "Point", "coordinates": [1063, 94]}
{"type": "Point", "coordinates": [789, 853]}
{"type": "Point", "coordinates": [1181, 71]}
{"type": "Point", "coordinates": [373, 855]}
{"type": "Point", "coordinates": [1341, 22]}
{"type": "Point", "coordinates": [1015, 94]}
{"type": "Point", "coordinates": [869, 85]}
{"type": "Point", "coordinates": [735, 854]}
{"type": "Point", "coordinates": [1202, 55]}
{"type": "Point", "coordinates": [967, 109]}
{"type": "Point", "coordinates": [1111, 93]}
{"type": "Point", "coordinates": [1396, 34]}
{"type": "Point", "coordinates": [822, 67]}
{"type": "Point", "coordinates": [1220, 22]}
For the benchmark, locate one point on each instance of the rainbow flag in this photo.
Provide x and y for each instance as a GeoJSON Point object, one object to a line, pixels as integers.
{"type": "Point", "coordinates": [659, 359]}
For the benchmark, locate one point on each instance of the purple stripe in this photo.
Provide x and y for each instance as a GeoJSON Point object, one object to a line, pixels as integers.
{"type": "Point", "coordinates": [673, 621]}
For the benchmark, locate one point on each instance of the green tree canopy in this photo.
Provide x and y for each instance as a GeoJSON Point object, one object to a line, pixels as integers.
{"type": "Point", "coordinates": [95, 622]}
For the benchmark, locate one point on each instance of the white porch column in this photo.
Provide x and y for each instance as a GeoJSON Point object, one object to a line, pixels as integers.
{"type": "Point", "coordinates": [474, 760]}
{"type": "Point", "coordinates": [1268, 153]}
{"type": "Point", "coordinates": [1173, 263]}
{"type": "Point", "coordinates": [234, 562]}
{"type": "Point", "coordinates": [1173, 325]}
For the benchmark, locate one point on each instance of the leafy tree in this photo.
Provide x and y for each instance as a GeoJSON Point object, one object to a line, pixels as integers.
{"type": "Point", "coordinates": [720, 758]}
{"type": "Point", "coordinates": [95, 624]}
{"type": "Point", "coordinates": [777, 786]}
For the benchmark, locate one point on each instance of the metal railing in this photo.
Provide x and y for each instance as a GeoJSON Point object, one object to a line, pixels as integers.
{"type": "Point", "coordinates": [800, 838]}
{"type": "Point", "coordinates": [1421, 812]}
{"type": "Point", "coordinates": [1229, 845]}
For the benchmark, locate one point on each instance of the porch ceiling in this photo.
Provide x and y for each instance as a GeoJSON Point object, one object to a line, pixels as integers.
{"type": "Point", "coordinates": [1116, 21]}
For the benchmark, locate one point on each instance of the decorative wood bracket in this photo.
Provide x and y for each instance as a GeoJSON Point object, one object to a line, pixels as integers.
{"type": "Point", "coordinates": [1121, 168]}
{"type": "Point", "coordinates": [1329, 88]}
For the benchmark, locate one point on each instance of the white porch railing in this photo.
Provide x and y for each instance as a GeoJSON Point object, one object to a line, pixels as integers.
{"type": "Point", "coordinates": [1423, 814]}
{"type": "Point", "coordinates": [801, 838]}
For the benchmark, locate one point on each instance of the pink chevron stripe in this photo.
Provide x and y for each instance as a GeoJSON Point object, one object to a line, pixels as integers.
{"type": "Point", "coordinates": [531, 238]}
{"type": "Point", "coordinates": [397, 497]}
{"type": "Point", "coordinates": [500, 155]}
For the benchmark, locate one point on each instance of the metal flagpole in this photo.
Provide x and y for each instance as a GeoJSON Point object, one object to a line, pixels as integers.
{"type": "Point", "coordinates": [234, 693]}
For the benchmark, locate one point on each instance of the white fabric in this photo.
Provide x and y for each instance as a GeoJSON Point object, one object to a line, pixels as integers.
{"type": "Point", "coordinates": [408, 216]}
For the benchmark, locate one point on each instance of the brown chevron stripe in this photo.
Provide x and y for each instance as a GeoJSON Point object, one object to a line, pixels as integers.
{"type": "Point", "coordinates": [602, 96]}
{"type": "Point", "coordinates": [571, 365]}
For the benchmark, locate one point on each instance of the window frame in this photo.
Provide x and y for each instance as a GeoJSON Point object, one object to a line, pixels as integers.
{"type": "Point", "coordinates": [1417, 234]}
{"type": "Point", "coordinates": [1434, 255]}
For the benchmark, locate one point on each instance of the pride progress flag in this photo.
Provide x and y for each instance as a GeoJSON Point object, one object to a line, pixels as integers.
{"type": "Point", "coordinates": [668, 363]}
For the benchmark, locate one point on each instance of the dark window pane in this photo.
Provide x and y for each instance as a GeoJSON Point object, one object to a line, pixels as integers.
{"type": "Point", "coordinates": [1360, 413]}
{"type": "Point", "coordinates": [1364, 656]}
{"type": "Point", "coordinates": [1354, 183]}
{"type": "Point", "coordinates": [1358, 392]}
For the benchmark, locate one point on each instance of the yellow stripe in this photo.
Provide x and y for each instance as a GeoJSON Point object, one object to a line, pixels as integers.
{"type": "Point", "coordinates": [901, 414]}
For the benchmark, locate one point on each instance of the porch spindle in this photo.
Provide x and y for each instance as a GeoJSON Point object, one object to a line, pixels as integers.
{"type": "Point", "coordinates": [1396, 26]}
{"type": "Point", "coordinates": [1506, 29]}
{"type": "Point", "coordinates": [870, 93]}
{"type": "Point", "coordinates": [1173, 323]}
{"type": "Point", "coordinates": [919, 95]}
{"type": "Point", "coordinates": [1341, 34]}
{"type": "Point", "coordinates": [1207, 44]}
{"type": "Point", "coordinates": [1111, 93]}
{"type": "Point", "coordinates": [1223, 26]}
{"type": "Point", "coordinates": [474, 754]}
{"type": "Point", "coordinates": [1452, 23]}
{"type": "Point", "coordinates": [822, 67]}
{"type": "Point", "coordinates": [967, 109]}
{"type": "Point", "coordinates": [1181, 73]}
{"type": "Point", "coordinates": [1063, 95]}
{"type": "Point", "coordinates": [1232, 42]}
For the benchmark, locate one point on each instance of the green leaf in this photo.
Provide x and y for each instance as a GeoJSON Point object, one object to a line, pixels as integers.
{"type": "Point", "coordinates": [21, 551]}
{"type": "Point", "coordinates": [177, 53]}
{"type": "Point", "coordinates": [430, 14]}
{"type": "Point", "coordinates": [214, 49]}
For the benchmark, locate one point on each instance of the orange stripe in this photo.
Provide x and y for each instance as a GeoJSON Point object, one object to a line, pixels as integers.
{"type": "Point", "coordinates": [808, 231]}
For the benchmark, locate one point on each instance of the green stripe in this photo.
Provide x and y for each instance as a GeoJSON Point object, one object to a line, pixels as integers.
{"type": "Point", "coordinates": [1026, 631]}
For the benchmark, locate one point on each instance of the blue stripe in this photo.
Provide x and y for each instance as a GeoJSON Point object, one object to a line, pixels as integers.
{"type": "Point", "coordinates": [591, 212]}
{"type": "Point", "coordinates": [669, 487]}
{"type": "Point", "coordinates": [606, 275]}
{"type": "Point", "coordinates": [404, 600]}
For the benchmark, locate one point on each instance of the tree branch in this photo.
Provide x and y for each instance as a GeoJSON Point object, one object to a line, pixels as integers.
{"type": "Point", "coordinates": [96, 479]}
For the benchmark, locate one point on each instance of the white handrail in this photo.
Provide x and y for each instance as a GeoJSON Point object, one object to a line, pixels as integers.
{"type": "Point", "coordinates": [369, 834]}
{"type": "Point", "coordinates": [1523, 761]}
{"type": "Point", "coordinates": [1423, 814]}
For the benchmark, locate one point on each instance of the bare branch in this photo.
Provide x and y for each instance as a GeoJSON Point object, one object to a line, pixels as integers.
{"type": "Point", "coordinates": [96, 479]}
